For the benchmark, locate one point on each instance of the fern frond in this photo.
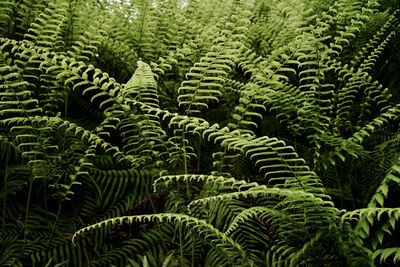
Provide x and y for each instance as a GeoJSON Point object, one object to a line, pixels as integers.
{"type": "Point", "coordinates": [386, 253]}
{"type": "Point", "coordinates": [366, 217]}
{"type": "Point", "coordinates": [206, 78]}
{"type": "Point", "coordinates": [381, 192]}
{"type": "Point", "coordinates": [213, 237]}
{"type": "Point", "coordinates": [7, 10]}
{"type": "Point", "coordinates": [46, 29]}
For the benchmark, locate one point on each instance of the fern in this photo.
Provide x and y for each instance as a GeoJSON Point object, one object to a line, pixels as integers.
{"type": "Point", "coordinates": [199, 133]}
{"type": "Point", "coordinates": [212, 236]}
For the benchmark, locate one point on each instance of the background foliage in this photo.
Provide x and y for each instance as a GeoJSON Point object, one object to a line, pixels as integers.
{"type": "Point", "coordinates": [199, 133]}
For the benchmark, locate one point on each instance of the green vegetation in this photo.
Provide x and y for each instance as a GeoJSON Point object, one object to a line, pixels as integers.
{"type": "Point", "coordinates": [199, 133]}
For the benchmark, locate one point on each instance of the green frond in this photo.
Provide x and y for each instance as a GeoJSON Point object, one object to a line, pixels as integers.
{"type": "Point", "coordinates": [384, 254]}
{"type": "Point", "coordinates": [210, 234]}
{"type": "Point", "coordinates": [381, 192]}
{"type": "Point", "coordinates": [367, 217]}
{"type": "Point", "coordinates": [45, 31]}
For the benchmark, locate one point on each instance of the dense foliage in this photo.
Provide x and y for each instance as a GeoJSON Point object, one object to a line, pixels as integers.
{"type": "Point", "coordinates": [199, 133]}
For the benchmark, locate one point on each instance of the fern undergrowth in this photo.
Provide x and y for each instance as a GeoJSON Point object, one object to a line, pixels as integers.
{"type": "Point", "coordinates": [199, 133]}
